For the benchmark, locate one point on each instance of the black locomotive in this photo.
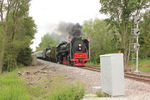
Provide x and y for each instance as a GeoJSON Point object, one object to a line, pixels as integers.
{"type": "Point", "coordinates": [75, 52]}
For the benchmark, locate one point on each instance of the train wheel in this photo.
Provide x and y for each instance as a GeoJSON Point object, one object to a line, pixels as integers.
{"type": "Point", "coordinates": [71, 63]}
{"type": "Point", "coordinates": [59, 60]}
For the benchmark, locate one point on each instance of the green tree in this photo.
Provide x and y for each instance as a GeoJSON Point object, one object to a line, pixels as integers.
{"type": "Point", "coordinates": [17, 31]}
{"type": "Point", "coordinates": [101, 39]}
{"type": "Point", "coordinates": [145, 36]}
{"type": "Point", "coordinates": [46, 42]}
{"type": "Point", "coordinates": [120, 12]}
{"type": "Point", "coordinates": [24, 56]}
{"type": "Point", "coordinates": [1, 47]}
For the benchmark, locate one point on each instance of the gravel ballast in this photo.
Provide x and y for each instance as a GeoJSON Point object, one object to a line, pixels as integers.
{"type": "Point", "coordinates": [134, 90]}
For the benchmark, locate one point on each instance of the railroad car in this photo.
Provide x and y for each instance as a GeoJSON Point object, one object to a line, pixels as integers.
{"type": "Point", "coordinates": [51, 55]}
{"type": "Point", "coordinates": [44, 54]}
{"type": "Point", "coordinates": [38, 54]}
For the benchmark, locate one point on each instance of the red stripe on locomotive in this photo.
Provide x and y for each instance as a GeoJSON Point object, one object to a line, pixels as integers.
{"type": "Point", "coordinates": [80, 59]}
{"type": "Point", "coordinates": [80, 55]}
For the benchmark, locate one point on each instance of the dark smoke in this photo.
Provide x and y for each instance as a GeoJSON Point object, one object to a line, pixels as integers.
{"type": "Point", "coordinates": [76, 30]}
{"type": "Point", "coordinates": [64, 31]}
{"type": "Point", "coordinates": [70, 29]}
{"type": "Point", "coordinates": [65, 28]}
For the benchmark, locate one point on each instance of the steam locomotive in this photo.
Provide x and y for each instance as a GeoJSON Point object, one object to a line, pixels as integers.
{"type": "Point", "coordinates": [75, 52]}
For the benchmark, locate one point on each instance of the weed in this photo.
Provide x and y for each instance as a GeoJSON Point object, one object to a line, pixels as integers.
{"type": "Point", "coordinates": [101, 94]}
{"type": "Point", "coordinates": [68, 92]}
{"type": "Point", "coordinates": [12, 87]}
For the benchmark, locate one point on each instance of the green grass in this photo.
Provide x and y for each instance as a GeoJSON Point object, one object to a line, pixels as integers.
{"type": "Point", "coordinates": [144, 65]}
{"type": "Point", "coordinates": [63, 90]}
{"type": "Point", "coordinates": [144, 61]}
{"type": "Point", "coordinates": [12, 87]}
{"type": "Point", "coordinates": [144, 69]}
{"type": "Point", "coordinates": [68, 92]}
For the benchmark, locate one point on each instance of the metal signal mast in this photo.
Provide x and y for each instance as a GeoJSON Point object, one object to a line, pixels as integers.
{"type": "Point", "coordinates": [136, 34]}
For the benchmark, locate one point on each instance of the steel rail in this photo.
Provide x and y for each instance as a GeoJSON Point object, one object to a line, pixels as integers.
{"type": "Point", "coordinates": [134, 76]}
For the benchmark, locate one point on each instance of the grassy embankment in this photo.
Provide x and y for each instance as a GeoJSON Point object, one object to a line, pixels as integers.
{"type": "Point", "coordinates": [144, 65]}
{"type": "Point", "coordinates": [13, 87]}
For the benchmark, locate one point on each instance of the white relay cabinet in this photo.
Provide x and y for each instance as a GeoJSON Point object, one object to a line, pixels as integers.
{"type": "Point", "coordinates": [112, 74]}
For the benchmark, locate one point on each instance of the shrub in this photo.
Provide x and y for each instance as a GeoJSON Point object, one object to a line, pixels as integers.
{"type": "Point", "coordinates": [69, 92]}
{"type": "Point", "coordinates": [24, 56]}
{"type": "Point", "coordinates": [101, 94]}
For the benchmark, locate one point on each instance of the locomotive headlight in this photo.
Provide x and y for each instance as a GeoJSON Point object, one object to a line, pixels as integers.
{"type": "Point", "coordinates": [80, 45]}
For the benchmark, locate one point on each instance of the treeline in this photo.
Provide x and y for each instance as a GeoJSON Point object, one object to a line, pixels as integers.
{"type": "Point", "coordinates": [101, 38]}
{"type": "Point", "coordinates": [145, 36]}
{"type": "Point", "coordinates": [104, 39]}
{"type": "Point", "coordinates": [47, 41]}
{"type": "Point", "coordinates": [17, 30]}
{"type": "Point", "coordinates": [115, 33]}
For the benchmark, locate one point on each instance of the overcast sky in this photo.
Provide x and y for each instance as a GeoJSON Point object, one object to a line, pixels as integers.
{"type": "Point", "coordinates": [48, 13]}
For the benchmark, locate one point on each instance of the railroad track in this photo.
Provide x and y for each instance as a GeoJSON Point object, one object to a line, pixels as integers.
{"type": "Point", "coordinates": [134, 76]}
{"type": "Point", "coordinates": [138, 77]}
{"type": "Point", "coordinates": [96, 69]}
